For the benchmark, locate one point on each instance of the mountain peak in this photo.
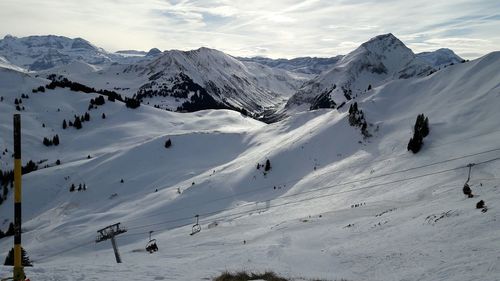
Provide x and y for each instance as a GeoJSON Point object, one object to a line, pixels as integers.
{"type": "Point", "coordinates": [9, 37]}
{"type": "Point", "coordinates": [206, 50]}
{"type": "Point", "coordinates": [378, 60]}
{"type": "Point", "coordinates": [153, 52]}
{"type": "Point", "coordinates": [80, 43]}
{"type": "Point", "coordinates": [384, 42]}
{"type": "Point", "coordinates": [440, 57]}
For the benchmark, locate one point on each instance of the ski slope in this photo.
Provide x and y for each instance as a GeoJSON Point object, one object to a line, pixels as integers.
{"type": "Point", "coordinates": [412, 221]}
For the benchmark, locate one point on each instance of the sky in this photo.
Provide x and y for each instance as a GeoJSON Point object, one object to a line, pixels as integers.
{"type": "Point", "coordinates": [269, 28]}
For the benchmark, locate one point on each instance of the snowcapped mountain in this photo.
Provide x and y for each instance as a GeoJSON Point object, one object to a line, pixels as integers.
{"type": "Point", "coordinates": [37, 53]}
{"type": "Point", "coordinates": [193, 80]}
{"type": "Point", "coordinates": [441, 57]}
{"type": "Point", "coordinates": [43, 52]}
{"type": "Point", "coordinates": [307, 65]}
{"type": "Point", "coordinates": [377, 61]}
{"type": "Point", "coordinates": [182, 76]}
{"type": "Point", "coordinates": [333, 205]}
{"type": "Point", "coordinates": [209, 79]}
{"type": "Point", "coordinates": [153, 52]}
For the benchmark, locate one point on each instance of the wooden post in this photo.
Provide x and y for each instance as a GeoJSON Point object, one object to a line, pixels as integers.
{"type": "Point", "coordinates": [18, 266]}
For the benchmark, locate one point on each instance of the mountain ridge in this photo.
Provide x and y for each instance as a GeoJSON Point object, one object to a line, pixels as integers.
{"type": "Point", "coordinates": [380, 59]}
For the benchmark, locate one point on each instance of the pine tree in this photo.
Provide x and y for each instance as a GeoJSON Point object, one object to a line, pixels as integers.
{"type": "Point", "coordinates": [268, 166]}
{"type": "Point", "coordinates": [72, 188]}
{"type": "Point", "coordinates": [103, 116]}
{"type": "Point", "coordinates": [87, 116]}
{"type": "Point", "coordinates": [47, 142]}
{"type": "Point", "coordinates": [55, 140]}
{"type": "Point", "coordinates": [64, 125]}
{"type": "Point", "coordinates": [25, 260]}
{"type": "Point", "coordinates": [420, 130]}
{"type": "Point", "coordinates": [77, 124]}
{"type": "Point", "coordinates": [425, 127]}
{"type": "Point", "coordinates": [10, 230]}
{"type": "Point", "coordinates": [168, 143]}
{"type": "Point", "coordinates": [99, 100]}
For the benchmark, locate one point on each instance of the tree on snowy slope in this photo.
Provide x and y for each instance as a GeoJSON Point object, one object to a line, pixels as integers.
{"type": "Point", "coordinates": [357, 119]}
{"type": "Point", "coordinates": [168, 143]}
{"type": "Point", "coordinates": [132, 103]}
{"type": "Point", "coordinates": [9, 260]}
{"type": "Point", "coordinates": [420, 131]}
{"type": "Point", "coordinates": [324, 100]}
{"type": "Point", "coordinates": [55, 140]}
{"type": "Point", "coordinates": [267, 167]}
{"type": "Point", "coordinates": [77, 123]}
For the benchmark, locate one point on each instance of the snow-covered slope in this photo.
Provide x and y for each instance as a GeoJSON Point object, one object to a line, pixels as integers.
{"type": "Point", "coordinates": [440, 58]}
{"type": "Point", "coordinates": [4, 63]}
{"type": "Point", "coordinates": [307, 65]}
{"type": "Point", "coordinates": [411, 220]}
{"type": "Point", "coordinates": [381, 59]}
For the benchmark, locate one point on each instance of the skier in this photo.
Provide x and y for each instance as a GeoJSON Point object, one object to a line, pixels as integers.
{"type": "Point", "coordinates": [467, 191]}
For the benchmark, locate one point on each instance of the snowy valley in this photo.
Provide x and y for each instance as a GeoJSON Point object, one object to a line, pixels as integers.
{"type": "Point", "coordinates": [300, 167]}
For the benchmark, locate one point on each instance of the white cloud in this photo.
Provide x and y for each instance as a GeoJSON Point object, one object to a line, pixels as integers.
{"type": "Point", "coordinates": [280, 28]}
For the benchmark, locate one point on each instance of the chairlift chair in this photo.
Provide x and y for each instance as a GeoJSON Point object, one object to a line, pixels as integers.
{"type": "Point", "coordinates": [466, 189]}
{"type": "Point", "coordinates": [196, 226]}
{"type": "Point", "coordinates": [151, 246]}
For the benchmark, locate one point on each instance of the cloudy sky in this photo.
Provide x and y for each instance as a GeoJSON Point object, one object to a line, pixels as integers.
{"type": "Point", "coordinates": [272, 28]}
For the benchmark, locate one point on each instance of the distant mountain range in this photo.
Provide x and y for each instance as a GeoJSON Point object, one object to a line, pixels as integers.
{"type": "Point", "coordinates": [206, 78]}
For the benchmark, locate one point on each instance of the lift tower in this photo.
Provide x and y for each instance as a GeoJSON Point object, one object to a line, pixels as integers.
{"type": "Point", "coordinates": [110, 232]}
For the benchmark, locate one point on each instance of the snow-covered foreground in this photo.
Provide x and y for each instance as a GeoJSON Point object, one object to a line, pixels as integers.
{"type": "Point", "coordinates": [411, 220]}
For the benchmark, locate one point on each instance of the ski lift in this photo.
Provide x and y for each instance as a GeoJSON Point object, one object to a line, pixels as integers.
{"type": "Point", "coordinates": [151, 246]}
{"type": "Point", "coordinates": [196, 226]}
{"type": "Point", "coordinates": [466, 189]}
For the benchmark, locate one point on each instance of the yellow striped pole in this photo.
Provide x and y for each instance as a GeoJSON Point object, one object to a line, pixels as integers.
{"type": "Point", "coordinates": [18, 267]}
